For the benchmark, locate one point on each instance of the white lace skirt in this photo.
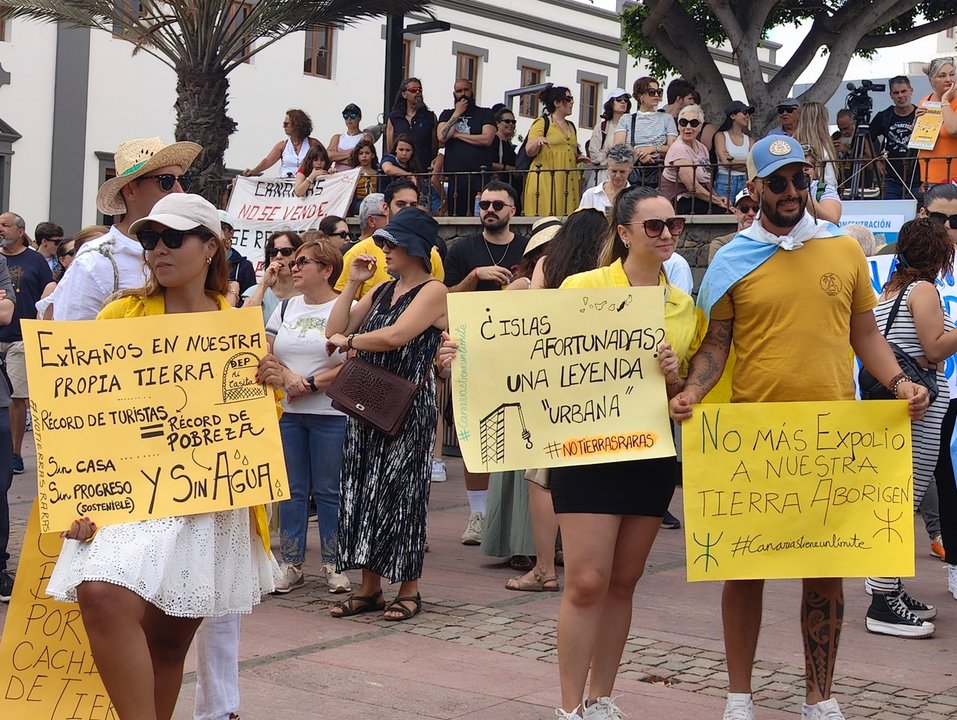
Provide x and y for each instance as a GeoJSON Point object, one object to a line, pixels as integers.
{"type": "Point", "coordinates": [192, 566]}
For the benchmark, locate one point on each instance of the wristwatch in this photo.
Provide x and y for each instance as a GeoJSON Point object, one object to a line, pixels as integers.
{"type": "Point", "coordinates": [312, 384]}
{"type": "Point", "coordinates": [349, 341]}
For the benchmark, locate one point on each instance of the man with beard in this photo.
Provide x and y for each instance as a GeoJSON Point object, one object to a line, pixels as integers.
{"type": "Point", "coordinates": [766, 292]}
{"type": "Point", "coordinates": [485, 261]}
{"type": "Point", "coordinates": [30, 275]}
{"type": "Point", "coordinates": [466, 131]}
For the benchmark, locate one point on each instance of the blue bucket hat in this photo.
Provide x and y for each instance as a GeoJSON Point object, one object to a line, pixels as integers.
{"type": "Point", "coordinates": [773, 152]}
{"type": "Point", "coordinates": [414, 230]}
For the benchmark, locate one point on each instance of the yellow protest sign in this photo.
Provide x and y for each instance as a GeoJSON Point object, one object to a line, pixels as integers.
{"type": "Point", "coordinates": [46, 667]}
{"type": "Point", "coordinates": [548, 378]}
{"type": "Point", "coordinates": [927, 127]}
{"type": "Point", "coordinates": [151, 417]}
{"type": "Point", "coordinates": [796, 490]}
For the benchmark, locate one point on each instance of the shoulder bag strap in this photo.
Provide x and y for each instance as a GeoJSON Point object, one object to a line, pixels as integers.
{"type": "Point", "coordinates": [893, 313]}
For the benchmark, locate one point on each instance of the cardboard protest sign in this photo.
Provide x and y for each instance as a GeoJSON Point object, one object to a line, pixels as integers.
{"type": "Point", "coordinates": [548, 378]}
{"type": "Point", "coordinates": [261, 206]}
{"type": "Point", "coordinates": [151, 417]}
{"type": "Point", "coordinates": [46, 667]}
{"type": "Point", "coordinates": [795, 490]}
{"type": "Point", "coordinates": [927, 127]}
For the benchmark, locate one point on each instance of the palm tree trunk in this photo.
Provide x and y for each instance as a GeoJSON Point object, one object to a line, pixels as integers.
{"type": "Point", "coordinates": [201, 117]}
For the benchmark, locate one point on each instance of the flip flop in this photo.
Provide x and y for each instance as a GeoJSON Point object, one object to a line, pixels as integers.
{"type": "Point", "coordinates": [397, 606]}
{"type": "Point", "coordinates": [357, 604]}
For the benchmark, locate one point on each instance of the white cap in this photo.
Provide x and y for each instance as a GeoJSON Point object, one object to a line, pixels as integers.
{"type": "Point", "coordinates": [182, 211]}
{"type": "Point", "coordinates": [226, 219]}
{"type": "Point", "coordinates": [615, 92]}
{"type": "Point", "coordinates": [741, 196]}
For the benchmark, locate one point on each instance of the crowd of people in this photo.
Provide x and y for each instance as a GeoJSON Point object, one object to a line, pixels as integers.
{"type": "Point", "coordinates": [381, 301]}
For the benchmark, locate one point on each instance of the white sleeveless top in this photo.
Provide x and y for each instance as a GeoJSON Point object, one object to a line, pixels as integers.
{"type": "Point", "coordinates": [291, 161]}
{"type": "Point", "coordinates": [738, 153]}
{"type": "Point", "coordinates": [346, 144]}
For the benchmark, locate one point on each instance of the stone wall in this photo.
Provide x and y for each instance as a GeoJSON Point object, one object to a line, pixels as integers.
{"type": "Point", "coordinates": [693, 244]}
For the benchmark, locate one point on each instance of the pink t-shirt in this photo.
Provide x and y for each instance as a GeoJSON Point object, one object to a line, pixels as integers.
{"type": "Point", "coordinates": [696, 154]}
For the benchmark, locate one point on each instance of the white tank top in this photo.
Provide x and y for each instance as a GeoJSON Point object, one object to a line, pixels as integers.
{"type": "Point", "coordinates": [291, 161]}
{"type": "Point", "coordinates": [738, 153]}
{"type": "Point", "coordinates": [346, 144]}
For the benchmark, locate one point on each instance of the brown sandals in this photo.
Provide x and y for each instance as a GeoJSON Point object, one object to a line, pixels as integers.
{"type": "Point", "coordinates": [357, 604]}
{"type": "Point", "coordinates": [536, 583]}
{"type": "Point", "coordinates": [405, 612]}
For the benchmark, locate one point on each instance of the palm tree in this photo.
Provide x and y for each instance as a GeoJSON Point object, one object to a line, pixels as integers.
{"type": "Point", "coordinates": [203, 41]}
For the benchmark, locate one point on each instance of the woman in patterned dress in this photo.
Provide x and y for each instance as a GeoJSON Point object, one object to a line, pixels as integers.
{"type": "Point", "coordinates": [385, 480]}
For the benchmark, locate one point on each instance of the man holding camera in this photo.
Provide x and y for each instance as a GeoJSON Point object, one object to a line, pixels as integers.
{"type": "Point", "coordinates": [891, 130]}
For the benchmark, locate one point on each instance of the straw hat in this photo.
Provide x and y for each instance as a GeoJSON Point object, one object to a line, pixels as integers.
{"type": "Point", "coordinates": [543, 231]}
{"type": "Point", "coordinates": [135, 158]}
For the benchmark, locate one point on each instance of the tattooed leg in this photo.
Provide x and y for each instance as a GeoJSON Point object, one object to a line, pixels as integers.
{"type": "Point", "coordinates": [822, 612]}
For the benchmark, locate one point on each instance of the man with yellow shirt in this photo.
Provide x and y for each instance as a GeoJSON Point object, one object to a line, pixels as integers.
{"type": "Point", "coordinates": [786, 279]}
{"type": "Point", "coordinates": [400, 194]}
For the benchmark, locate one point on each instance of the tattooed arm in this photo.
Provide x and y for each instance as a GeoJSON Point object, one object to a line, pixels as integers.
{"type": "Point", "coordinates": [706, 368]}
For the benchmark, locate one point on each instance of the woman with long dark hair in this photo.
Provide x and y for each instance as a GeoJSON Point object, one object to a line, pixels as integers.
{"type": "Point", "coordinates": [315, 165]}
{"type": "Point", "coordinates": [276, 283]}
{"type": "Point", "coordinates": [922, 329]}
{"type": "Point", "coordinates": [553, 188]}
{"type": "Point", "coordinates": [364, 157]}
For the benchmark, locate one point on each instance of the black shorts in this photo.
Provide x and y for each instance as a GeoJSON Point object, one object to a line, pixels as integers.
{"type": "Point", "coordinates": [636, 487]}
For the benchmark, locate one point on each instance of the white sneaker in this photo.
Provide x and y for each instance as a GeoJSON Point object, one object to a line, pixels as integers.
{"type": "Point", "coordinates": [438, 471]}
{"type": "Point", "coordinates": [473, 533]}
{"type": "Point", "coordinates": [739, 707]}
{"type": "Point", "coordinates": [573, 715]}
{"type": "Point", "coordinates": [824, 710]}
{"type": "Point", "coordinates": [291, 577]}
{"type": "Point", "coordinates": [604, 708]}
{"type": "Point", "coordinates": [952, 580]}
{"type": "Point", "coordinates": [337, 582]}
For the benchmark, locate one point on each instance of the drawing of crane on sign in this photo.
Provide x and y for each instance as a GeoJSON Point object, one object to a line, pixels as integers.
{"type": "Point", "coordinates": [492, 429]}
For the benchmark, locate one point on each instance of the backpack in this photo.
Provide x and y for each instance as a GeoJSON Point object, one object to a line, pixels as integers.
{"type": "Point", "coordinates": [523, 162]}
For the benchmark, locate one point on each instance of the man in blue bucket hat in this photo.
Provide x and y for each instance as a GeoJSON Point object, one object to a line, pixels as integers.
{"type": "Point", "coordinates": [780, 282]}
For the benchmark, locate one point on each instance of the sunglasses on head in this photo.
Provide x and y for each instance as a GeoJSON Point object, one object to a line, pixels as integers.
{"type": "Point", "coordinates": [171, 238]}
{"type": "Point", "coordinates": [653, 228]}
{"type": "Point", "coordinates": [383, 243]}
{"type": "Point", "coordinates": [779, 183]}
{"type": "Point", "coordinates": [785, 110]}
{"type": "Point", "coordinates": [168, 180]}
{"type": "Point", "coordinates": [285, 252]}
{"type": "Point", "coordinates": [498, 205]}
{"type": "Point", "coordinates": [300, 262]}
{"type": "Point", "coordinates": [685, 122]}
{"type": "Point", "coordinates": [950, 220]}
{"type": "Point", "coordinates": [655, 92]}
{"type": "Point", "coordinates": [350, 116]}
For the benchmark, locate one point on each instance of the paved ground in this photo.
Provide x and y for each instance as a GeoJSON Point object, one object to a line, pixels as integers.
{"type": "Point", "coordinates": [482, 652]}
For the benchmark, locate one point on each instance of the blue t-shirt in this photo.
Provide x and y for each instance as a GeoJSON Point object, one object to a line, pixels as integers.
{"type": "Point", "coordinates": [29, 273]}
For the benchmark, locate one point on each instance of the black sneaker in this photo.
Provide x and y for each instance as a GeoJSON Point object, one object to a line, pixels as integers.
{"type": "Point", "coordinates": [6, 586]}
{"type": "Point", "coordinates": [888, 615]}
{"type": "Point", "coordinates": [917, 608]}
{"type": "Point", "coordinates": [670, 522]}
{"type": "Point", "coordinates": [17, 464]}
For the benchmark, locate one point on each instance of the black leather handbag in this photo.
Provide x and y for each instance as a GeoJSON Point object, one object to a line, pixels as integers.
{"type": "Point", "coordinates": [872, 389]}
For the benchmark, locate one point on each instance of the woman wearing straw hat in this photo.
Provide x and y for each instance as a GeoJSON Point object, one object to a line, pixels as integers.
{"type": "Point", "coordinates": [147, 170]}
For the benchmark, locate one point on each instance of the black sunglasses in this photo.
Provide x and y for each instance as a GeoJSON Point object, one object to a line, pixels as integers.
{"type": "Point", "coordinates": [943, 219]}
{"type": "Point", "coordinates": [507, 122]}
{"type": "Point", "coordinates": [300, 262]}
{"type": "Point", "coordinates": [498, 205]}
{"type": "Point", "coordinates": [747, 207]}
{"type": "Point", "coordinates": [168, 180]}
{"type": "Point", "coordinates": [685, 122]}
{"type": "Point", "coordinates": [66, 253]}
{"type": "Point", "coordinates": [779, 183]}
{"type": "Point", "coordinates": [285, 252]}
{"type": "Point", "coordinates": [383, 243]}
{"type": "Point", "coordinates": [784, 110]}
{"type": "Point", "coordinates": [654, 92]}
{"type": "Point", "coordinates": [171, 238]}
{"type": "Point", "coordinates": [654, 228]}
{"type": "Point", "coordinates": [344, 234]}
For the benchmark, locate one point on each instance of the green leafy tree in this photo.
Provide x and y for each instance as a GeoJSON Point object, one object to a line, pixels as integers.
{"type": "Point", "coordinates": [203, 41]}
{"type": "Point", "coordinates": [674, 36]}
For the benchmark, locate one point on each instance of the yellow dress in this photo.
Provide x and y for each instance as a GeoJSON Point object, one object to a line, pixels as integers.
{"type": "Point", "coordinates": [553, 193]}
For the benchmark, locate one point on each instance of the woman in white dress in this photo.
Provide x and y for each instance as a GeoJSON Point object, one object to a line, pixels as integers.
{"type": "Point", "coordinates": [144, 587]}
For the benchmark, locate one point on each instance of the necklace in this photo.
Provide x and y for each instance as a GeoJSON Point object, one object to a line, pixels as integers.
{"type": "Point", "coordinates": [491, 257]}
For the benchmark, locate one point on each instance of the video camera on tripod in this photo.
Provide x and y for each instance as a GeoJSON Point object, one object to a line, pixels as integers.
{"type": "Point", "coordinates": [860, 103]}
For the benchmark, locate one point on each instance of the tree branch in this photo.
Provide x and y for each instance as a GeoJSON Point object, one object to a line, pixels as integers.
{"type": "Point", "coordinates": [876, 42]}
{"type": "Point", "coordinates": [658, 10]}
